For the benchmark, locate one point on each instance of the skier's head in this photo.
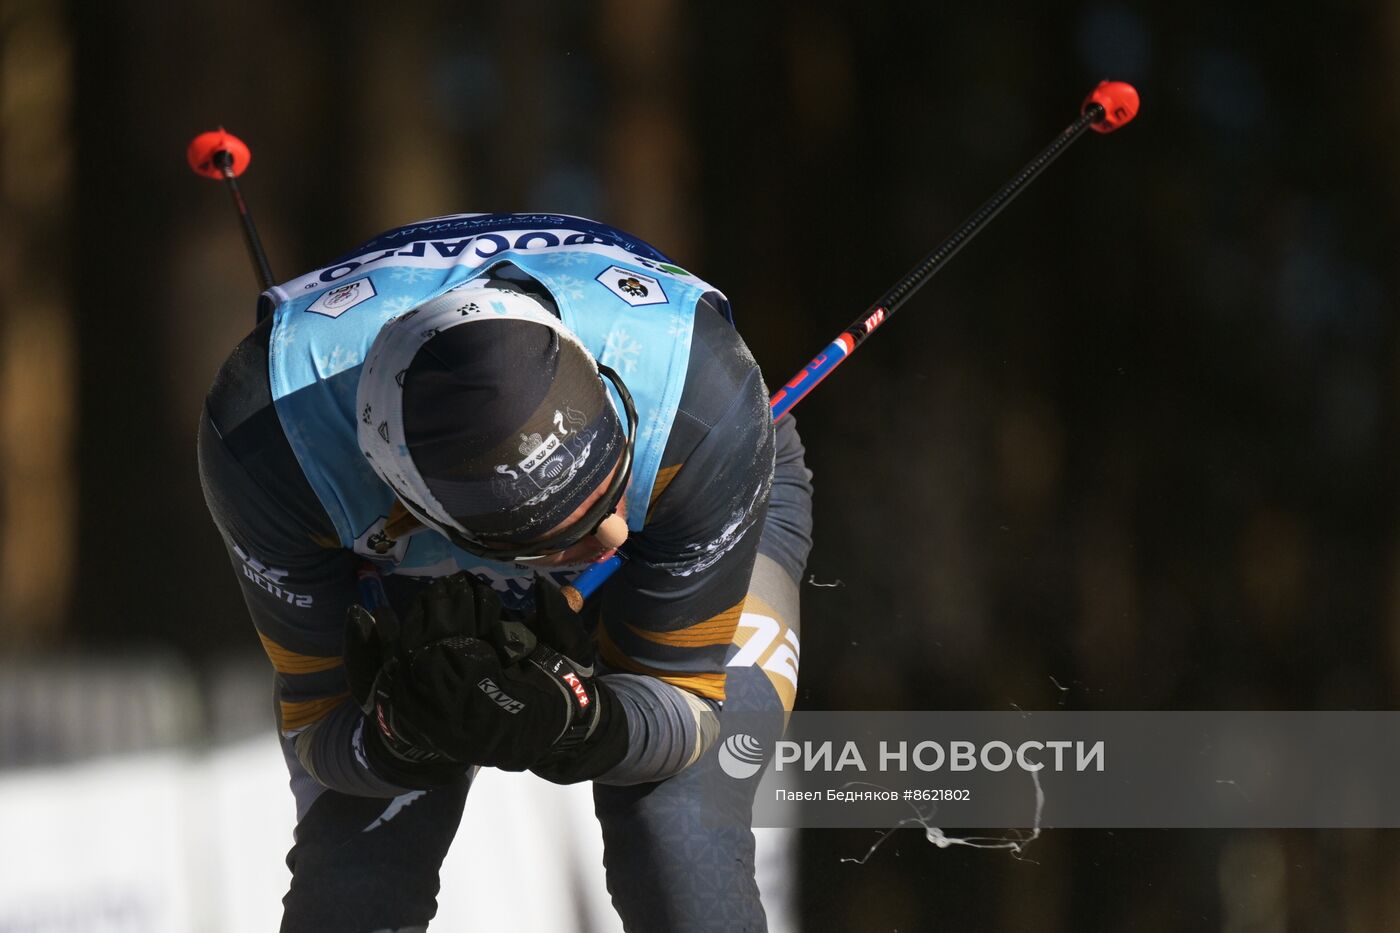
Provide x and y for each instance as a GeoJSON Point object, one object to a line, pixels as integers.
{"type": "Point", "coordinates": [491, 423]}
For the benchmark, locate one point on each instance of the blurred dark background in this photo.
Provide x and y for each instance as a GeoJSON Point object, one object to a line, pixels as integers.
{"type": "Point", "coordinates": [1138, 442]}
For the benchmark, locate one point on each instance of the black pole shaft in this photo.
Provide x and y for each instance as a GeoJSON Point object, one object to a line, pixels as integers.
{"type": "Point", "coordinates": [905, 288]}
{"type": "Point", "coordinates": [796, 389]}
{"type": "Point", "coordinates": [224, 162]}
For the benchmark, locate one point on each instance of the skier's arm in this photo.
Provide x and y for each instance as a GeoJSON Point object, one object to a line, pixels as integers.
{"type": "Point", "coordinates": [668, 617]}
{"type": "Point", "coordinates": [296, 579]}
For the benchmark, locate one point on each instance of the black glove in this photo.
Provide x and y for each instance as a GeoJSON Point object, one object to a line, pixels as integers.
{"type": "Point", "coordinates": [395, 747]}
{"type": "Point", "coordinates": [458, 684]}
{"type": "Point", "coordinates": [593, 744]}
{"type": "Point", "coordinates": [505, 715]}
{"type": "Point", "coordinates": [512, 712]}
{"type": "Point", "coordinates": [405, 728]}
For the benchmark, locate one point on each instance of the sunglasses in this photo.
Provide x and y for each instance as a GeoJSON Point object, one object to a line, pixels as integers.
{"type": "Point", "coordinates": [586, 526]}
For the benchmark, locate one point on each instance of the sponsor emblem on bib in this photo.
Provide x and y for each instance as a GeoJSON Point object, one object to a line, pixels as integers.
{"type": "Point", "coordinates": [374, 542]}
{"type": "Point", "coordinates": [633, 287]}
{"type": "Point", "coordinates": [342, 298]}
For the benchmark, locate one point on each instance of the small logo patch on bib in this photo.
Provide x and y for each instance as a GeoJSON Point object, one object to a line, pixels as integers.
{"type": "Point", "coordinates": [633, 287]}
{"type": "Point", "coordinates": [342, 298]}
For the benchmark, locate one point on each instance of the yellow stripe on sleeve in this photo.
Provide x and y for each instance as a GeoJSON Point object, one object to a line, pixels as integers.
{"type": "Point", "coordinates": [716, 630]}
{"type": "Point", "coordinates": [707, 685]}
{"type": "Point", "coordinates": [290, 662]}
{"type": "Point", "coordinates": [298, 715]}
{"type": "Point", "coordinates": [658, 486]}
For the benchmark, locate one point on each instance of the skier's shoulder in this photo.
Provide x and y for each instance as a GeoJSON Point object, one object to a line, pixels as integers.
{"type": "Point", "coordinates": [721, 364]}
{"type": "Point", "coordinates": [253, 481]}
{"type": "Point", "coordinates": [240, 410]}
{"type": "Point", "coordinates": [240, 395]}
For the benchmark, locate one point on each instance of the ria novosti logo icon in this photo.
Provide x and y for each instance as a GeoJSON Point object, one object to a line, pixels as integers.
{"type": "Point", "coordinates": [741, 756]}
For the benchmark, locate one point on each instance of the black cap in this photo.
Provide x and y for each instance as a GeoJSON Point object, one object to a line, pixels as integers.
{"type": "Point", "coordinates": [509, 425]}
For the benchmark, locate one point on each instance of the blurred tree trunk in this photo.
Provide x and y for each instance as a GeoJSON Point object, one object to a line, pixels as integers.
{"type": "Point", "coordinates": [37, 415]}
{"type": "Point", "coordinates": [163, 289]}
{"type": "Point", "coordinates": [649, 156]}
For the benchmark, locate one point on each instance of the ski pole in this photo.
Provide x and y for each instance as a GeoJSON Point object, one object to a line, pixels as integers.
{"type": "Point", "coordinates": [221, 155]}
{"type": "Point", "coordinates": [1108, 107]}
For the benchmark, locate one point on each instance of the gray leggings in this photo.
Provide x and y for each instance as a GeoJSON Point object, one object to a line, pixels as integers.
{"type": "Point", "coordinates": [670, 865]}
